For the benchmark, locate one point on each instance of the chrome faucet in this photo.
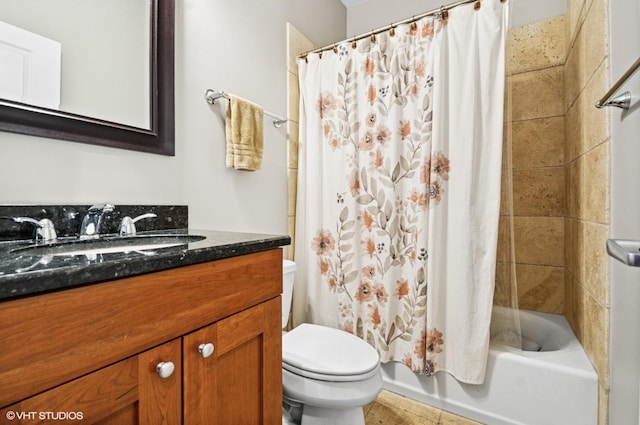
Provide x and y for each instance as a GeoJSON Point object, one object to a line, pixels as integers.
{"type": "Point", "coordinates": [92, 221]}
{"type": "Point", "coordinates": [45, 229]}
{"type": "Point", "coordinates": [128, 224]}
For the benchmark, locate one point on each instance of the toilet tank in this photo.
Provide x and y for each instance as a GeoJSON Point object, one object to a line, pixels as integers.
{"type": "Point", "coordinates": [288, 273]}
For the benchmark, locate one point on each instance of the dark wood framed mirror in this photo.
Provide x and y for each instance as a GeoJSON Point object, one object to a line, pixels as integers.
{"type": "Point", "coordinates": [159, 138]}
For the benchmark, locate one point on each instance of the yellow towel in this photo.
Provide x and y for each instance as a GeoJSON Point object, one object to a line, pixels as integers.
{"type": "Point", "coordinates": [244, 134]}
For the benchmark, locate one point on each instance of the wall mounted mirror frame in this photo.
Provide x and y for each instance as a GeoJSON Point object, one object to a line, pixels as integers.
{"type": "Point", "coordinates": [21, 118]}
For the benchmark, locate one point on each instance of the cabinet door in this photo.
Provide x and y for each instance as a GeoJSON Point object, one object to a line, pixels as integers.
{"type": "Point", "coordinates": [241, 382]}
{"type": "Point", "coordinates": [128, 392]}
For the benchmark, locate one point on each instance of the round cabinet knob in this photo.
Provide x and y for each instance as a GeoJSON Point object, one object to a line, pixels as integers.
{"type": "Point", "coordinates": [206, 349]}
{"type": "Point", "coordinates": [165, 369]}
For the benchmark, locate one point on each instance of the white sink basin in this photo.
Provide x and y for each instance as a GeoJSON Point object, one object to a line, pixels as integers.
{"type": "Point", "coordinates": [93, 247]}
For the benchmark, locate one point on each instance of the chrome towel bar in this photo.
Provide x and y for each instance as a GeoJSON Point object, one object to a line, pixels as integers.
{"type": "Point", "coordinates": [212, 95]}
{"type": "Point", "coordinates": [624, 100]}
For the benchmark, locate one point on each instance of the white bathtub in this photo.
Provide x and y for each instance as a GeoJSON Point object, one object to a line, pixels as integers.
{"type": "Point", "coordinates": [557, 386]}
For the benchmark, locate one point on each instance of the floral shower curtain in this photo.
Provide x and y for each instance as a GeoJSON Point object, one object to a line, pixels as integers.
{"type": "Point", "coordinates": [399, 189]}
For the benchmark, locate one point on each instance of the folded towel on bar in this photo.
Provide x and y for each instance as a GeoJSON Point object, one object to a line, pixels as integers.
{"type": "Point", "coordinates": [244, 134]}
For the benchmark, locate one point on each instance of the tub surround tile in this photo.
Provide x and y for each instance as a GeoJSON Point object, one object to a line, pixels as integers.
{"type": "Point", "coordinates": [586, 125]}
{"type": "Point", "coordinates": [578, 250]}
{"type": "Point", "coordinates": [575, 307]}
{"type": "Point", "coordinates": [581, 279]}
{"type": "Point", "coordinates": [291, 220]}
{"type": "Point", "coordinates": [293, 185]}
{"type": "Point", "coordinates": [294, 141]}
{"type": "Point", "coordinates": [596, 37]}
{"type": "Point", "coordinates": [597, 202]}
{"type": "Point", "coordinates": [538, 45]}
{"type": "Point", "coordinates": [603, 405]}
{"type": "Point", "coordinates": [538, 143]}
{"type": "Point", "coordinates": [596, 121]}
{"type": "Point", "coordinates": [596, 337]}
{"type": "Point", "coordinates": [574, 72]}
{"type": "Point", "coordinates": [575, 187]}
{"type": "Point", "coordinates": [541, 288]}
{"type": "Point", "coordinates": [502, 294]}
{"type": "Point", "coordinates": [540, 199]}
{"type": "Point", "coordinates": [587, 53]}
{"type": "Point", "coordinates": [574, 247]}
{"type": "Point", "coordinates": [568, 300]}
{"type": "Point", "coordinates": [293, 109]}
{"type": "Point", "coordinates": [596, 262]}
{"type": "Point", "coordinates": [539, 240]}
{"type": "Point", "coordinates": [580, 185]}
{"type": "Point", "coordinates": [573, 20]}
{"type": "Point", "coordinates": [588, 204]}
{"type": "Point", "coordinates": [569, 245]}
{"type": "Point", "coordinates": [574, 131]}
{"type": "Point", "coordinates": [297, 44]}
{"type": "Point", "coordinates": [539, 192]}
{"type": "Point", "coordinates": [505, 239]}
{"type": "Point", "coordinates": [537, 94]}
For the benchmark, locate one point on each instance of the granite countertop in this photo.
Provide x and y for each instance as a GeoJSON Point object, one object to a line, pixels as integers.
{"type": "Point", "coordinates": [28, 273]}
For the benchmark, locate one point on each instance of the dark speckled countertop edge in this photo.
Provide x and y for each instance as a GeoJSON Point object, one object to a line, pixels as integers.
{"type": "Point", "coordinates": [217, 245]}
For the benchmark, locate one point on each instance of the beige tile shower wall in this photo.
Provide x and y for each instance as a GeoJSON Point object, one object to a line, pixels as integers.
{"type": "Point", "coordinates": [297, 44]}
{"type": "Point", "coordinates": [587, 154]}
{"type": "Point", "coordinates": [539, 197]}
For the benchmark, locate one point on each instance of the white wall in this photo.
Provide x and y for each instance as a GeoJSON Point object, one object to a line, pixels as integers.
{"type": "Point", "coordinates": [238, 46]}
{"type": "Point", "coordinates": [625, 216]}
{"type": "Point", "coordinates": [378, 13]}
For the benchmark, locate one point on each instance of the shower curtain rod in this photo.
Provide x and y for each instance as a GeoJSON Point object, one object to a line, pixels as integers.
{"type": "Point", "coordinates": [441, 9]}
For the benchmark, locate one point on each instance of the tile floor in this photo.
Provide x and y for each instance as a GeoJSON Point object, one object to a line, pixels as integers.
{"type": "Point", "coordinates": [392, 409]}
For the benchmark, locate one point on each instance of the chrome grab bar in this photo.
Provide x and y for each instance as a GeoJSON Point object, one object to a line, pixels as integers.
{"type": "Point", "coordinates": [624, 100]}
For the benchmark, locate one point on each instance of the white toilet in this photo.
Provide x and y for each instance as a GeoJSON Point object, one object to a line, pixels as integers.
{"type": "Point", "coordinates": [327, 374]}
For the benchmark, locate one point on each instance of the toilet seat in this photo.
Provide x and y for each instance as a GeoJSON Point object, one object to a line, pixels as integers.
{"type": "Point", "coordinates": [328, 354]}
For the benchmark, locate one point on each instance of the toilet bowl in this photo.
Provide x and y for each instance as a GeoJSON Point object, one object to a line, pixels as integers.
{"type": "Point", "coordinates": [328, 375]}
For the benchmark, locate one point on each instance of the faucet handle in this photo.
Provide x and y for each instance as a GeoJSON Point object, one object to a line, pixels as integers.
{"type": "Point", "coordinates": [45, 229]}
{"type": "Point", "coordinates": [128, 227]}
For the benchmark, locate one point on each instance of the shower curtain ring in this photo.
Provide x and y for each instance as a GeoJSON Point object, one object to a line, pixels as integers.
{"type": "Point", "coordinates": [373, 37]}
{"type": "Point", "coordinates": [444, 13]}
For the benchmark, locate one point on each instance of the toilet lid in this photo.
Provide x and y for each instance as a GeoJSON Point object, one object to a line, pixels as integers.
{"type": "Point", "coordinates": [321, 350]}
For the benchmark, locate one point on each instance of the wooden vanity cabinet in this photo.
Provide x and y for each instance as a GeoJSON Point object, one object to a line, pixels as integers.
{"type": "Point", "coordinates": [237, 384]}
{"type": "Point", "coordinates": [126, 393]}
{"type": "Point", "coordinates": [95, 350]}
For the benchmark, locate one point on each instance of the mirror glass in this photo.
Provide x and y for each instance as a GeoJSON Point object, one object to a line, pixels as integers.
{"type": "Point", "coordinates": [92, 71]}
{"type": "Point", "coordinates": [98, 50]}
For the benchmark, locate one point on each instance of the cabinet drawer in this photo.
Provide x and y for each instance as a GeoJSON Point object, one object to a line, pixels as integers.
{"type": "Point", "coordinates": [128, 392]}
